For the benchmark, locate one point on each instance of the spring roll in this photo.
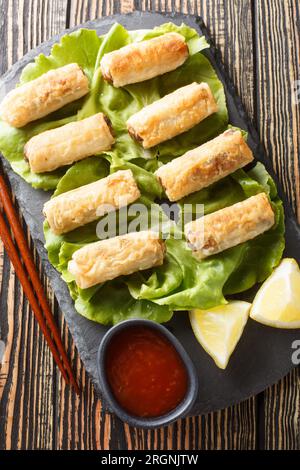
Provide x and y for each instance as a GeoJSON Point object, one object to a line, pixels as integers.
{"type": "Point", "coordinates": [143, 60]}
{"type": "Point", "coordinates": [87, 203]}
{"type": "Point", "coordinates": [107, 259]}
{"type": "Point", "coordinates": [204, 165]}
{"type": "Point", "coordinates": [45, 94]}
{"type": "Point", "coordinates": [173, 114]}
{"type": "Point", "coordinates": [70, 143]}
{"type": "Point", "coordinates": [231, 226]}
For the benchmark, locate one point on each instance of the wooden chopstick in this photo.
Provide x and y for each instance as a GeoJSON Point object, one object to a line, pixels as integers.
{"type": "Point", "coordinates": [22, 275]}
{"type": "Point", "coordinates": [15, 225]}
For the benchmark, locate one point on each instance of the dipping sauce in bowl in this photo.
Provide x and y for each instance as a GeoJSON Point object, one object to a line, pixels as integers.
{"type": "Point", "coordinates": [145, 372]}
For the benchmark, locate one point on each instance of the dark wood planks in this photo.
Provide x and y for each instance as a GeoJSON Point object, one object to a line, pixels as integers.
{"type": "Point", "coordinates": [278, 118]}
{"type": "Point", "coordinates": [281, 414]}
{"type": "Point", "coordinates": [28, 379]}
{"type": "Point", "coordinates": [50, 416]}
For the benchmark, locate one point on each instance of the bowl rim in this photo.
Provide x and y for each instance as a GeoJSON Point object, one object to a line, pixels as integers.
{"type": "Point", "coordinates": [181, 410]}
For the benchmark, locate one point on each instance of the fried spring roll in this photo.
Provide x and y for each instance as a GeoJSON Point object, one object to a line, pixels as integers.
{"type": "Point", "coordinates": [70, 143]}
{"type": "Point", "coordinates": [173, 114]}
{"type": "Point", "coordinates": [231, 226]}
{"type": "Point", "coordinates": [204, 165]}
{"type": "Point", "coordinates": [45, 94]}
{"type": "Point", "coordinates": [107, 259]}
{"type": "Point", "coordinates": [87, 203]}
{"type": "Point", "coordinates": [143, 60]}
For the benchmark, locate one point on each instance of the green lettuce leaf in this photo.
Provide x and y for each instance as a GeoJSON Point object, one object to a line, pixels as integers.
{"type": "Point", "coordinates": [194, 42]}
{"type": "Point", "coordinates": [82, 47]}
{"type": "Point", "coordinates": [199, 69]}
{"type": "Point", "coordinates": [203, 284]}
{"type": "Point", "coordinates": [182, 282]}
{"type": "Point", "coordinates": [87, 49]}
{"type": "Point", "coordinates": [112, 301]}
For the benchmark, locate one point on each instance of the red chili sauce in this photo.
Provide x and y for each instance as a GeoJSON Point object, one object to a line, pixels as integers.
{"type": "Point", "coordinates": [145, 372]}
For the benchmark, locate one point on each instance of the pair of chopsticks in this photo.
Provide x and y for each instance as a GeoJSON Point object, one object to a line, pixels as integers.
{"type": "Point", "coordinates": [34, 289]}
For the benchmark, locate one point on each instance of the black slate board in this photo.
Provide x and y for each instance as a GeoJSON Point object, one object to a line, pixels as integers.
{"type": "Point", "coordinates": [263, 354]}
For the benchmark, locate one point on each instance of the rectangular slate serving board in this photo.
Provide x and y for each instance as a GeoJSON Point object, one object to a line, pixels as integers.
{"type": "Point", "coordinates": [245, 375]}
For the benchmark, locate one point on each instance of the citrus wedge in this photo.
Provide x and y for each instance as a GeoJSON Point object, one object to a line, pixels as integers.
{"type": "Point", "coordinates": [277, 303]}
{"type": "Point", "coordinates": [219, 329]}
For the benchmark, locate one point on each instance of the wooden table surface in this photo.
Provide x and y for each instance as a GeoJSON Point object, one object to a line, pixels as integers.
{"type": "Point", "coordinates": [259, 42]}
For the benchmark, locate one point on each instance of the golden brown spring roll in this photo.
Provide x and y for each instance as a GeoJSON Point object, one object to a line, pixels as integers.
{"type": "Point", "coordinates": [70, 143]}
{"type": "Point", "coordinates": [231, 226]}
{"type": "Point", "coordinates": [45, 94]}
{"type": "Point", "coordinates": [173, 114]}
{"type": "Point", "coordinates": [107, 259]}
{"type": "Point", "coordinates": [204, 165]}
{"type": "Point", "coordinates": [143, 60]}
{"type": "Point", "coordinates": [87, 203]}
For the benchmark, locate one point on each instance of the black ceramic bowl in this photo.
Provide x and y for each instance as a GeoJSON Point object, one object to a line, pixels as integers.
{"type": "Point", "coordinates": [181, 410]}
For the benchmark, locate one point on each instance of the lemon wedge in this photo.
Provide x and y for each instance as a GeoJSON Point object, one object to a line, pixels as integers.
{"type": "Point", "coordinates": [219, 329]}
{"type": "Point", "coordinates": [277, 303]}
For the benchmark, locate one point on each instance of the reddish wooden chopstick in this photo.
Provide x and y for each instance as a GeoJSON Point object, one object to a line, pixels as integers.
{"type": "Point", "coordinates": [26, 257]}
{"type": "Point", "coordinates": [22, 275]}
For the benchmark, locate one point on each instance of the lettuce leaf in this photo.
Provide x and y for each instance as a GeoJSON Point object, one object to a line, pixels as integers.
{"type": "Point", "coordinates": [110, 302]}
{"type": "Point", "coordinates": [81, 47]}
{"type": "Point", "coordinates": [182, 282]}
{"type": "Point", "coordinates": [199, 68]}
{"type": "Point", "coordinates": [87, 49]}
{"type": "Point", "coordinates": [194, 42]}
{"type": "Point", "coordinates": [113, 303]}
{"type": "Point", "coordinates": [203, 284]}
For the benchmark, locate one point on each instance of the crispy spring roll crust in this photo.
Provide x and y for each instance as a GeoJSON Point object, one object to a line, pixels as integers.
{"type": "Point", "coordinates": [45, 94]}
{"type": "Point", "coordinates": [87, 203]}
{"type": "Point", "coordinates": [147, 59]}
{"type": "Point", "coordinates": [70, 143]}
{"type": "Point", "coordinates": [173, 114]}
{"type": "Point", "coordinates": [204, 165]}
{"type": "Point", "coordinates": [107, 259]}
{"type": "Point", "coordinates": [231, 226]}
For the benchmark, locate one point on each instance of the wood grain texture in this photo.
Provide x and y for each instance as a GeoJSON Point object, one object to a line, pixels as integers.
{"type": "Point", "coordinates": [278, 65]}
{"type": "Point", "coordinates": [278, 119]}
{"type": "Point", "coordinates": [28, 380]}
{"type": "Point", "coordinates": [36, 409]}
